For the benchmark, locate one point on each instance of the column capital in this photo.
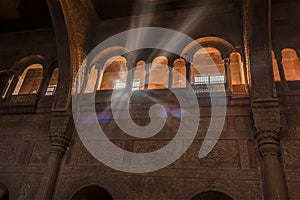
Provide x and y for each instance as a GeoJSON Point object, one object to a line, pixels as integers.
{"type": "Point", "coordinates": [263, 135]}
{"type": "Point", "coordinates": [268, 141]}
{"type": "Point", "coordinates": [60, 132]}
{"type": "Point", "coordinates": [59, 140]}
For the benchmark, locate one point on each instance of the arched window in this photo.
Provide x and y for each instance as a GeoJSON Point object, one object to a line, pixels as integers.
{"type": "Point", "coordinates": [159, 73]}
{"type": "Point", "coordinates": [53, 83]}
{"type": "Point", "coordinates": [115, 73]}
{"type": "Point", "coordinates": [30, 80]}
{"type": "Point", "coordinates": [212, 195]}
{"type": "Point", "coordinates": [275, 68]}
{"type": "Point", "coordinates": [139, 76]}
{"type": "Point", "coordinates": [236, 69]}
{"type": "Point", "coordinates": [179, 66]}
{"type": "Point", "coordinates": [207, 70]}
{"type": "Point", "coordinates": [4, 194]}
{"type": "Point", "coordinates": [5, 82]}
{"type": "Point", "coordinates": [291, 64]}
{"type": "Point", "coordinates": [91, 193]}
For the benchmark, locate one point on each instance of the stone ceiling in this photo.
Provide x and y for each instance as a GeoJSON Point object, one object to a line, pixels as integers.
{"type": "Point", "coordinates": [22, 15]}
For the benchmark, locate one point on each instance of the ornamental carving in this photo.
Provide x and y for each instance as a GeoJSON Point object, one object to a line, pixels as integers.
{"type": "Point", "coordinates": [263, 136]}
{"type": "Point", "coordinates": [59, 138]}
{"type": "Point", "coordinates": [268, 141]}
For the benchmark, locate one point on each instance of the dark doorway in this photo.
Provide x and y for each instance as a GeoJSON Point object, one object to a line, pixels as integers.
{"type": "Point", "coordinates": [211, 195]}
{"type": "Point", "coordinates": [92, 193]}
{"type": "Point", "coordinates": [4, 195]}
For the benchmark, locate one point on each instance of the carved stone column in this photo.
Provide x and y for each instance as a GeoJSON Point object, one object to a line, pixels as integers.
{"type": "Point", "coordinates": [264, 101]}
{"type": "Point", "coordinates": [266, 116]}
{"type": "Point", "coordinates": [60, 135]}
{"type": "Point", "coordinates": [274, 180]}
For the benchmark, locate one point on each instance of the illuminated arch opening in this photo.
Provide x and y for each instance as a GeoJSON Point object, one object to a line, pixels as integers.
{"type": "Point", "coordinates": [204, 73]}
{"type": "Point", "coordinates": [53, 83]}
{"type": "Point", "coordinates": [159, 73]}
{"type": "Point", "coordinates": [139, 76]}
{"type": "Point", "coordinates": [114, 73]}
{"type": "Point", "coordinates": [236, 69]}
{"type": "Point", "coordinates": [291, 64]}
{"type": "Point", "coordinates": [178, 81]}
{"type": "Point", "coordinates": [212, 195]}
{"type": "Point", "coordinates": [92, 193]}
{"type": "Point", "coordinates": [30, 80]}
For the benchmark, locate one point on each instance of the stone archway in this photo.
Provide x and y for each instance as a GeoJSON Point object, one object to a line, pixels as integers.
{"type": "Point", "coordinates": [211, 195]}
{"type": "Point", "coordinates": [91, 193]}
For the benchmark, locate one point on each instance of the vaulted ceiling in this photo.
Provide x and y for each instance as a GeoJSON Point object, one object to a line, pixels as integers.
{"type": "Point", "coordinates": [21, 15]}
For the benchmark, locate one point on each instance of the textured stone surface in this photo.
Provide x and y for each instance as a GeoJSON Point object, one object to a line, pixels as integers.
{"type": "Point", "coordinates": [234, 166]}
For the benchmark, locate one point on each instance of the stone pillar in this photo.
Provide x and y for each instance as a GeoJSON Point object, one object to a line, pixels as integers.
{"type": "Point", "coordinates": [266, 116]}
{"type": "Point", "coordinates": [274, 180]}
{"type": "Point", "coordinates": [260, 48]}
{"type": "Point", "coordinates": [60, 136]}
{"type": "Point", "coordinates": [227, 74]}
{"type": "Point", "coordinates": [264, 101]}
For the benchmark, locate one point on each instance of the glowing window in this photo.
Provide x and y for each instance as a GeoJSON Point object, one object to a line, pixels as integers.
{"type": "Point", "coordinates": [139, 76]}
{"type": "Point", "coordinates": [159, 73]}
{"type": "Point", "coordinates": [216, 79]}
{"type": "Point", "coordinates": [198, 80]}
{"type": "Point", "coordinates": [136, 85]}
{"type": "Point", "coordinates": [236, 69]}
{"type": "Point", "coordinates": [179, 79]}
{"type": "Point", "coordinates": [53, 83]}
{"type": "Point", "coordinates": [119, 85]}
{"type": "Point", "coordinates": [115, 73]}
{"type": "Point", "coordinates": [206, 62]}
{"type": "Point", "coordinates": [291, 64]}
{"type": "Point", "coordinates": [30, 80]}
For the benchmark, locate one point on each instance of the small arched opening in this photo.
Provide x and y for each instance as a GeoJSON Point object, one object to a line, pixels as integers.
{"type": "Point", "coordinates": [207, 70]}
{"type": "Point", "coordinates": [114, 74]}
{"type": "Point", "coordinates": [91, 193]}
{"type": "Point", "coordinates": [159, 73]}
{"type": "Point", "coordinates": [30, 80]}
{"type": "Point", "coordinates": [139, 76]}
{"type": "Point", "coordinates": [212, 195]}
{"type": "Point", "coordinates": [291, 64]}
